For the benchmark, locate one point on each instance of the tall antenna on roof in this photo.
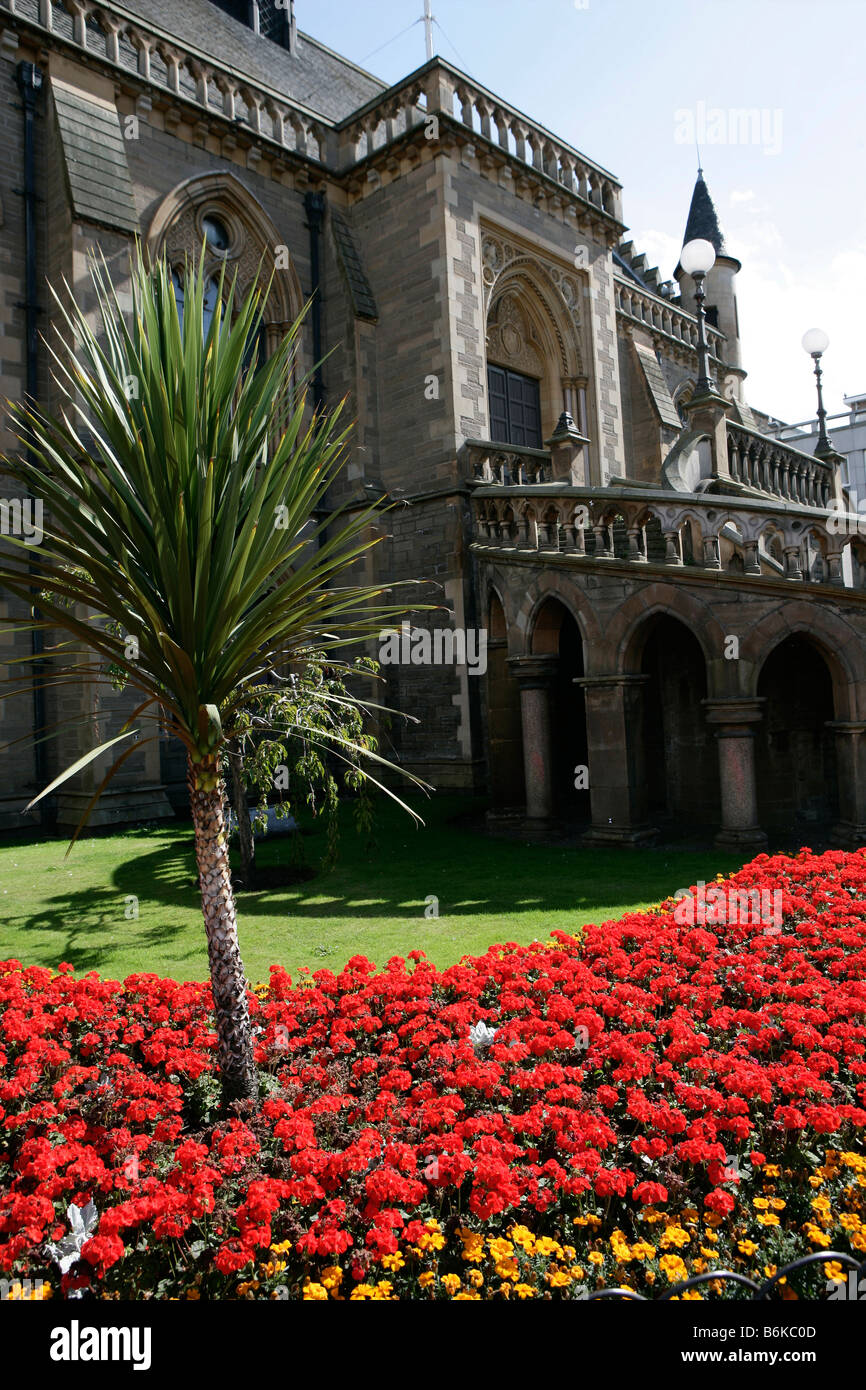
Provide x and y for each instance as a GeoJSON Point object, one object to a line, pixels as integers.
{"type": "Point", "coordinates": [428, 28]}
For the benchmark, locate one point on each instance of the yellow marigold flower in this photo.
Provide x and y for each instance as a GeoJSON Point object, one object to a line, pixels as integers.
{"type": "Point", "coordinates": [500, 1248]}
{"type": "Point", "coordinates": [522, 1236]}
{"type": "Point", "coordinates": [816, 1182]}
{"type": "Point", "coordinates": [507, 1268]}
{"type": "Point", "coordinates": [817, 1236]}
{"type": "Point", "coordinates": [331, 1277]}
{"type": "Point", "coordinates": [545, 1246]}
{"type": "Point", "coordinates": [674, 1235]}
{"type": "Point", "coordinates": [475, 1278]}
{"type": "Point", "coordinates": [282, 1249]}
{"type": "Point", "coordinates": [849, 1221]}
{"type": "Point", "coordinates": [642, 1250]}
{"type": "Point", "coordinates": [747, 1247]}
{"type": "Point", "coordinates": [317, 1293]}
{"type": "Point", "coordinates": [393, 1262]}
{"type": "Point", "coordinates": [559, 1279]}
{"type": "Point", "coordinates": [473, 1246]}
{"type": "Point", "coordinates": [768, 1218]}
{"type": "Point", "coordinates": [466, 1297]}
{"type": "Point", "coordinates": [595, 1257]}
{"type": "Point", "coordinates": [772, 1170]}
{"type": "Point", "coordinates": [524, 1290]}
{"type": "Point", "coordinates": [673, 1268]}
{"type": "Point", "coordinates": [426, 1279]}
{"type": "Point", "coordinates": [361, 1292]}
{"type": "Point", "coordinates": [708, 1254]}
{"type": "Point", "coordinates": [835, 1272]}
{"type": "Point", "coordinates": [432, 1241]}
{"type": "Point", "coordinates": [778, 1203]}
{"type": "Point", "coordinates": [858, 1240]}
{"type": "Point", "coordinates": [760, 1203]}
{"type": "Point", "coordinates": [691, 1294]}
{"type": "Point", "coordinates": [384, 1288]}
{"type": "Point", "coordinates": [568, 1252]}
{"type": "Point", "coordinates": [450, 1283]}
{"type": "Point", "coordinates": [432, 1224]}
{"type": "Point", "coordinates": [711, 1237]}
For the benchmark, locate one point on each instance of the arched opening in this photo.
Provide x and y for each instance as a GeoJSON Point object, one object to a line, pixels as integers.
{"type": "Point", "coordinates": [557, 634]}
{"type": "Point", "coordinates": [505, 761]}
{"type": "Point", "coordinates": [680, 755]}
{"type": "Point", "coordinates": [795, 763]}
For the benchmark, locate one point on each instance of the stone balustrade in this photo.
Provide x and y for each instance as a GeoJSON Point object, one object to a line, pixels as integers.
{"type": "Point", "coordinates": [653, 312]}
{"type": "Point", "coordinates": [440, 89]}
{"type": "Point", "coordinates": [107, 32]}
{"type": "Point", "coordinates": [766, 465]}
{"type": "Point", "coordinates": [507, 464]}
{"type": "Point", "coordinates": [745, 537]}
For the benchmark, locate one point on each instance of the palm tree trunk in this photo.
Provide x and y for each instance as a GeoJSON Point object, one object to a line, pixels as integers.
{"type": "Point", "coordinates": [228, 981]}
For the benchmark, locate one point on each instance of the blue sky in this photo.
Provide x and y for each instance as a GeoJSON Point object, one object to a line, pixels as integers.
{"type": "Point", "coordinates": [624, 81]}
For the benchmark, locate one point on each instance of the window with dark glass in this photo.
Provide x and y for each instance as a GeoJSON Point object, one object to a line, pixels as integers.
{"type": "Point", "coordinates": [515, 407]}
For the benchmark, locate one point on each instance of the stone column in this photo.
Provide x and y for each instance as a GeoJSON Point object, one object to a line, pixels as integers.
{"type": "Point", "coordinates": [734, 719]}
{"type": "Point", "coordinates": [535, 675]}
{"type": "Point", "coordinates": [617, 776]}
{"type": "Point", "coordinates": [850, 829]}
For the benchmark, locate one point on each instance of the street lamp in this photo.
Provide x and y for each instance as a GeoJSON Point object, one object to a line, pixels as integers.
{"type": "Point", "coordinates": [697, 258]}
{"type": "Point", "coordinates": [816, 342]}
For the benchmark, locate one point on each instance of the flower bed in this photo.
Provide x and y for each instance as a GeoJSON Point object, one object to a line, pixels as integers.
{"type": "Point", "coordinates": [657, 1100]}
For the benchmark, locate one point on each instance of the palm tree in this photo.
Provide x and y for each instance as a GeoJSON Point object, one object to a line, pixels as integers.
{"type": "Point", "coordinates": [186, 550]}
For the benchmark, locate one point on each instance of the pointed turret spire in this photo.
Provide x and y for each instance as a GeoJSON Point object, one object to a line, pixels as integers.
{"type": "Point", "coordinates": [703, 220]}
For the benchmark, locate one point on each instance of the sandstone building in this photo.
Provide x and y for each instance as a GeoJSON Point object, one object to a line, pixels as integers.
{"type": "Point", "coordinates": [669, 598]}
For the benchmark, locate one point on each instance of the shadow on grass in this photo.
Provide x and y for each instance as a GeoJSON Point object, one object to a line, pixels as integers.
{"type": "Point", "coordinates": [469, 874]}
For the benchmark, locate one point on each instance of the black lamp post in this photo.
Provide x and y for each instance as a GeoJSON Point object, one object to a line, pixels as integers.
{"type": "Point", "coordinates": [816, 342]}
{"type": "Point", "coordinates": [697, 258]}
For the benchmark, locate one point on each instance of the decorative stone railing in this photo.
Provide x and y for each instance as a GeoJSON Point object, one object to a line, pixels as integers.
{"type": "Point", "coordinates": [768, 466]}
{"type": "Point", "coordinates": [109, 33]}
{"type": "Point", "coordinates": [442, 89]}
{"type": "Point", "coordinates": [657, 314]}
{"type": "Point", "coordinates": [747, 537]}
{"type": "Point", "coordinates": [507, 464]}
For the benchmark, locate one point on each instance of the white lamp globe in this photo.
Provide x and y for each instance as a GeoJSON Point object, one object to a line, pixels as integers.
{"type": "Point", "coordinates": [698, 256]}
{"type": "Point", "coordinates": [815, 341]}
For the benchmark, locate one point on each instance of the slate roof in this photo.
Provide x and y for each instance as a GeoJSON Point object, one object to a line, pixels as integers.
{"type": "Point", "coordinates": [703, 220]}
{"type": "Point", "coordinates": [94, 153]}
{"type": "Point", "coordinates": [316, 77]}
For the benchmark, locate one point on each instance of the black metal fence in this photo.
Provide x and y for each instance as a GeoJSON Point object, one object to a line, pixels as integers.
{"type": "Point", "coordinates": [758, 1292]}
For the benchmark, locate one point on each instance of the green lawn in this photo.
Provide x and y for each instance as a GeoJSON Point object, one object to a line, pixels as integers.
{"type": "Point", "coordinates": [73, 909]}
